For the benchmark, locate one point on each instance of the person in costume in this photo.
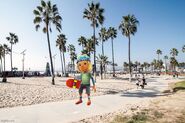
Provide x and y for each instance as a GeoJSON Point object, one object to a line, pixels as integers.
{"type": "Point", "coordinates": [84, 66]}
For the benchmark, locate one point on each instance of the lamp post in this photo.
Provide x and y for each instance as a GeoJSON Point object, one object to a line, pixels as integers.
{"type": "Point", "coordinates": [23, 53]}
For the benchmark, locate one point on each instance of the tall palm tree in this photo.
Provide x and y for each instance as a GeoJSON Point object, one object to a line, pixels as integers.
{"type": "Point", "coordinates": [89, 47]}
{"type": "Point", "coordinates": [4, 50]}
{"type": "Point", "coordinates": [174, 52]}
{"type": "Point", "coordinates": [82, 41]}
{"type": "Point", "coordinates": [102, 60]}
{"type": "Point", "coordinates": [183, 49]}
{"type": "Point", "coordinates": [61, 43]}
{"type": "Point", "coordinates": [1, 57]}
{"type": "Point", "coordinates": [137, 64]}
{"type": "Point", "coordinates": [159, 52]}
{"type": "Point", "coordinates": [154, 64]}
{"type": "Point", "coordinates": [166, 58]}
{"type": "Point", "coordinates": [125, 65]}
{"type": "Point", "coordinates": [128, 27]}
{"type": "Point", "coordinates": [173, 62]}
{"type": "Point", "coordinates": [71, 49]}
{"type": "Point", "coordinates": [47, 14]}
{"type": "Point", "coordinates": [13, 39]}
{"type": "Point", "coordinates": [103, 37]}
{"type": "Point", "coordinates": [95, 14]}
{"type": "Point", "coordinates": [112, 33]}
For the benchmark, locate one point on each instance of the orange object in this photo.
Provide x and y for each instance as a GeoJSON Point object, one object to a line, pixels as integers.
{"type": "Point", "coordinates": [73, 83]}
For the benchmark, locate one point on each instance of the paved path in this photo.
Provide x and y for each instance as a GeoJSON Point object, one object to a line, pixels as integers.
{"type": "Point", "coordinates": [67, 111]}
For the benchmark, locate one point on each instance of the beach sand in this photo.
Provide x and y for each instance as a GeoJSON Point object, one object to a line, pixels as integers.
{"type": "Point", "coordinates": [36, 90]}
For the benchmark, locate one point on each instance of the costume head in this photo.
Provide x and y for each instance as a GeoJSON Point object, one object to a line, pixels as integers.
{"type": "Point", "coordinates": [83, 64]}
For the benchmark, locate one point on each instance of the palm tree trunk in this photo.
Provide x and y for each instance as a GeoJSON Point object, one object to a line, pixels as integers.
{"type": "Point", "coordinates": [11, 58]}
{"type": "Point", "coordinates": [50, 55]}
{"type": "Point", "coordinates": [64, 63]}
{"type": "Point", "coordinates": [61, 64]}
{"type": "Point", "coordinates": [129, 58]}
{"type": "Point", "coordinates": [94, 51]}
{"type": "Point", "coordinates": [4, 73]}
{"type": "Point", "coordinates": [165, 66]}
{"type": "Point", "coordinates": [103, 69]}
{"type": "Point", "coordinates": [102, 48]}
{"type": "Point", "coordinates": [1, 70]}
{"type": "Point", "coordinates": [4, 61]}
{"type": "Point", "coordinates": [113, 67]}
{"type": "Point", "coordinates": [73, 67]}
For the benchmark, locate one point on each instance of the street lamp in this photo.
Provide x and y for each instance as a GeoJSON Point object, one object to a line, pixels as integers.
{"type": "Point", "coordinates": [23, 53]}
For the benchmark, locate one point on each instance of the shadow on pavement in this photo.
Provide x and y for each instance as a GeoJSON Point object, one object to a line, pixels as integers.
{"type": "Point", "coordinates": [143, 94]}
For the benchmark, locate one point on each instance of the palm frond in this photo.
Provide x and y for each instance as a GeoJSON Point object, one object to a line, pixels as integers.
{"type": "Point", "coordinates": [36, 12]}
{"type": "Point", "coordinates": [40, 8]}
{"type": "Point", "coordinates": [37, 20]}
{"type": "Point", "coordinates": [43, 3]}
{"type": "Point", "coordinates": [44, 30]}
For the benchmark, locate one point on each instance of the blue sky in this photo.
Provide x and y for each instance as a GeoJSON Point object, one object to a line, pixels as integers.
{"type": "Point", "coordinates": [162, 26]}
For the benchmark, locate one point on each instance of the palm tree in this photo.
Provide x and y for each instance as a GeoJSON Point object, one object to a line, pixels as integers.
{"type": "Point", "coordinates": [125, 65]}
{"type": "Point", "coordinates": [13, 39]}
{"type": "Point", "coordinates": [159, 52]}
{"type": "Point", "coordinates": [154, 64]}
{"type": "Point", "coordinates": [173, 62]}
{"type": "Point", "coordinates": [1, 57]}
{"type": "Point", "coordinates": [48, 14]}
{"type": "Point", "coordinates": [174, 52]}
{"type": "Point", "coordinates": [137, 64]}
{"type": "Point", "coordinates": [102, 60]}
{"type": "Point", "coordinates": [183, 49]}
{"type": "Point", "coordinates": [89, 47]}
{"type": "Point", "coordinates": [166, 58]}
{"type": "Point", "coordinates": [95, 14]}
{"type": "Point", "coordinates": [128, 27]}
{"type": "Point", "coordinates": [61, 43]}
{"type": "Point", "coordinates": [3, 51]}
{"type": "Point", "coordinates": [112, 33]}
{"type": "Point", "coordinates": [103, 37]}
{"type": "Point", "coordinates": [82, 41]}
{"type": "Point", "coordinates": [71, 49]}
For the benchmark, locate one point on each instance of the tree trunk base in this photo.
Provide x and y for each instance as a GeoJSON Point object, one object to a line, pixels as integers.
{"type": "Point", "coordinates": [53, 80]}
{"type": "Point", "coordinates": [4, 80]}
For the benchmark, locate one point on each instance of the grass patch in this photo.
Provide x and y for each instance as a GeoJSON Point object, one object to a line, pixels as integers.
{"type": "Point", "coordinates": [139, 117]}
{"type": "Point", "coordinates": [158, 114]}
{"type": "Point", "coordinates": [179, 86]}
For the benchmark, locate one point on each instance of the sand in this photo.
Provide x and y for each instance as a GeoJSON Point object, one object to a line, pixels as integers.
{"type": "Point", "coordinates": [36, 90]}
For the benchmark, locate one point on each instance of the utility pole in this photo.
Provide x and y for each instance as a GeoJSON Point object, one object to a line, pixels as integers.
{"type": "Point", "coordinates": [23, 53]}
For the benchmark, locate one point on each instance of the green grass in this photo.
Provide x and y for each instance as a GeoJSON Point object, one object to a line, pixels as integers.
{"type": "Point", "coordinates": [179, 86]}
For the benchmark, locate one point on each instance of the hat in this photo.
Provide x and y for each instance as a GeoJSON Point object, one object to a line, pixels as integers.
{"type": "Point", "coordinates": [83, 58]}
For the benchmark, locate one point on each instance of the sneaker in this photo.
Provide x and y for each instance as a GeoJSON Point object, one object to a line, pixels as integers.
{"type": "Point", "coordinates": [78, 102]}
{"type": "Point", "coordinates": [89, 102]}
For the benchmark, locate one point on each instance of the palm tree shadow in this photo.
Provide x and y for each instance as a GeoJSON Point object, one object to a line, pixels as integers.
{"type": "Point", "coordinates": [144, 94]}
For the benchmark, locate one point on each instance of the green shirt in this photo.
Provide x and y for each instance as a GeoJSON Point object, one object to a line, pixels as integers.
{"type": "Point", "coordinates": [85, 77]}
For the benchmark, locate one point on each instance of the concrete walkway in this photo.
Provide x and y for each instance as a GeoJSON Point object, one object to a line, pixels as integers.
{"type": "Point", "coordinates": [67, 111]}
